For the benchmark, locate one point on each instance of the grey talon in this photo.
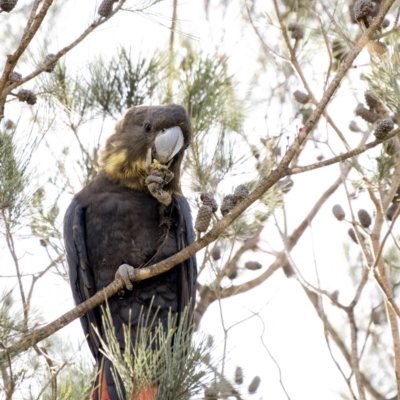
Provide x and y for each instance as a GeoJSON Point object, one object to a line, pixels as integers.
{"type": "Point", "coordinates": [127, 273]}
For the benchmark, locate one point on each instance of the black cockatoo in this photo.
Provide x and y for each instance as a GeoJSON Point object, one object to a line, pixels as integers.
{"type": "Point", "coordinates": [132, 215]}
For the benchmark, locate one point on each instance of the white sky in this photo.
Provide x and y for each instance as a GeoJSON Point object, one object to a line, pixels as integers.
{"type": "Point", "coordinates": [293, 333]}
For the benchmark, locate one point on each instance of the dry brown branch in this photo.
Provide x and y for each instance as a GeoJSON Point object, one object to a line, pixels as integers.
{"type": "Point", "coordinates": [339, 342]}
{"type": "Point", "coordinates": [355, 367]}
{"type": "Point", "coordinates": [37, 276]}
{"type": "Point", "coordinates": [381, 276]}
{"type": "Point", "coordinates": [335, 24]}
{"type": "Point", "coordinates": [11, 249]}
{"type": "Point", "coordinates": [29, 33]}
{"type": "Point", "coordinates": [145, 273]}
{"type": "Point", "coordinates": [247, 245]}
{"type": "Point", "coordinates": [53, 380]}
{"type": "Point", "coordinates": [89, 159]}
{"type": "Point", "coordinates": [338, 366]}
{"type": "Point", "coordinates": [282, 170]}
{"type": "Point", "coordinates": [341, 157]}
{"type": "Point", "coordinates": [210, 296]}
{"type": "Point", "coordinates": [32, 27]}
{"type": "Point", "coordinates": [272, 357]}
{"type": "Point", "coordinates": [300, 73]}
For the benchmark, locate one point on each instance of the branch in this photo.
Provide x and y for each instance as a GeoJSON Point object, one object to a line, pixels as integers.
{"type": "Point", "coordinates": [339, 342]}
{"type": "Point", "coordinates": [11, 248]}
{"type": "Point", "coordinates": [145, 273]}
{"type": "Point", "coordinates": [346, 65]}
{"type": "Point", "coordinates": [141, 274]}
{"type": "Point", "coordinates": [354, 355]}
{"type": "Point", "coordinates": [28, 35]}
{"type": "Point", "coordinates": [342, 157]}
{"type": "Point", "coordinates": [281, 171]}
{"type": "Point", "coordinates": [335, 24]}
{"type": "Point", "coordinates": [32, 27]}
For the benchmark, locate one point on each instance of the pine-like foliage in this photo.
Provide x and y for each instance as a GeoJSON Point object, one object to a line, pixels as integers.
{"type": "Point", "coordinates": [208, 92]}
{"type": "Point", "coordinates": [384, 82]}
{"type": "Point", "coordinates": [174, 363]}
{"type": "Point", "coordinates": [122, 82]}
{"type": "Point", "coordinates": [14, 176]}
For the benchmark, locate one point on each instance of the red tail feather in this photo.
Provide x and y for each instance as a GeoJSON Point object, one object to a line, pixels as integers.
{"type": "Point", "coordinates": [100, 391]}
{"type": "Point", "coordinates": [147, 394]}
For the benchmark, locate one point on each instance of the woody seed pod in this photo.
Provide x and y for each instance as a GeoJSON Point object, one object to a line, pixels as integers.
{"type": "Point", "coordinates": [208, 200]}
{"type": "Point", "coordinates": [362, 10]}
{"type": "Point", "coordinates": [391, 211]}
{"type": "Point", "coordinates": [371, 100]}
{"type": "Point", "coordinates": [8, 5]}
{"type": "Point", "coordinates": [239, 375]}
{"type": "Point", "coordinates": [364, 218]}
{"type": "Point", "coordinates": [255, 383]}
{"type": "Point", "coordinates": [232, 272]}
{"type": "Point", "coordinates": [366, 114]}
{"type": "Point", "coordinates": [203, 218]}
{"type": "Point", "coordinates": [301, 97]}
{"type": "Point", "coordinates": [240, 193]}
{"type": "Point", "coordinates": [354, 127]}
{"type": "Point", "coordinates": [52, 66]}
{"type": "Point", "coordinates": [396, 197]}
{"type": "Point", "coordinates": [385, 23]}
{"type": "Point", "coordinates": [376, 316]}
{"type": "Point", "coordinates": [216, 253]}
{"type": "Point", "coordinates": [27, 95]}
{"type": "Point", "coordinates": [352, 235]}
{"type": "Point", "coordinates": [288, 269]}
{"type": "Point", "coordinates": [14, 77]}
{"type": "Point", "coordinates": [9, 124]}
{"type": "Point", "coordinates": [383, 128]}
{"type": "Point", "coordinates": [338, 212]}
{"type": "Point", "coordinates": [227, 204]}
{"type": "Point", "coordinates": [296, 30]}
{"type": "Point", "coordinates": [253, 265]}
{"type": "Point", "coordinates": [105, 8]}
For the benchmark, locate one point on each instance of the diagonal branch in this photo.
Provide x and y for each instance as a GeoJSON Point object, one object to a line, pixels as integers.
{"type": "Point", "coordinates": [27, 37]}
{"type": "Point", "coordinates": [281, 171]}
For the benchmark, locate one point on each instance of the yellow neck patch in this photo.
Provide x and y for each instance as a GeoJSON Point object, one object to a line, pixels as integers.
{"type": "Point", "coordinates": [117, 166]}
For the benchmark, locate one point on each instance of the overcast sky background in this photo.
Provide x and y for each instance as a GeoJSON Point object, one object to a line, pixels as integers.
{"type": "Point", "coordinates": [286, 323]}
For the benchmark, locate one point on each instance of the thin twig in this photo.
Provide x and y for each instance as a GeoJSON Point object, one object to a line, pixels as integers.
{"type": "Point", "coordinates": [335, 24]}
{"type": "Point", "coordinates": [272, 357]}
{"type": "Point", "coordinates": [341, 157]}
{"type": "Point", "coordinates": [300, 73]}
{"type": "Point", "coordinates": [11, 248]}
{"type": "Point", "coordinates": [354, 355]}
{"type": "Point", "coordinates": [4, 91]}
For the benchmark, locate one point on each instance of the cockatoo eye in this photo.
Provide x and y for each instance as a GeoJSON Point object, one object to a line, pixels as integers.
{"type": "Point", "coordinates": [147, 126]}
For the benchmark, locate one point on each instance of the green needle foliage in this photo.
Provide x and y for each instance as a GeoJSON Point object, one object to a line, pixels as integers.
{"type": "Point", "coordinates": [11, 175]}
{"type": "Point", "coordinates": [121, 82]}
{"type": "Point", "coordinates": [168, 359]}
{"type": "Point", "coordinates": [14, 176]}
{"type": "Point", "coordinates": [208, 91]}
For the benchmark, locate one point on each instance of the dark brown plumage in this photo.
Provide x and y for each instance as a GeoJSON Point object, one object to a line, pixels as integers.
{"type": "Point", "coordinates": [116, 220]}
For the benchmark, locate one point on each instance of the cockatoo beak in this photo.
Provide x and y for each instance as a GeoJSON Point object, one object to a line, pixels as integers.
{"type": "Point", "coordinates": [167, 144]}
